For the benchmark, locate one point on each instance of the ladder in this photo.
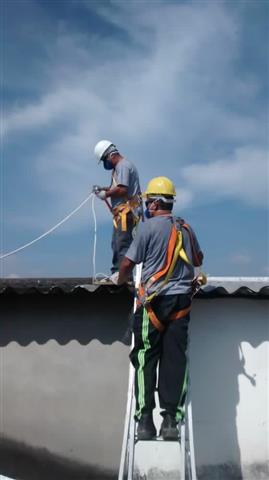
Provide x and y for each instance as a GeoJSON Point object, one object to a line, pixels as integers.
{"type": "Point", "coordinates": [186, 440]}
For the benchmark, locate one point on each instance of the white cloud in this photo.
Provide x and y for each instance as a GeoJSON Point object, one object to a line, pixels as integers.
{"type": "Point", "coordinates": [161, 96]}
{"type": "Point", "coordinates": [242, 258]}
{"type": "Point", "coordinates": [184, 199]}
{"type": "Point", "coordinates": [139, 88]}
{"type": "Point", "coordinates": [244, 175]}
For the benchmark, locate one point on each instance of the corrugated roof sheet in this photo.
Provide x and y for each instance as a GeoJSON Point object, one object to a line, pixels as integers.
{"type": "Point", "coordinates": [216, 286]}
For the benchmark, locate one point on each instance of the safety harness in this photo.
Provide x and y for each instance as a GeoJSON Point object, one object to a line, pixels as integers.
{"type": "Point", "coordinates": [175, 252]}
{"type": "Point", "coordinates": [121, 211]}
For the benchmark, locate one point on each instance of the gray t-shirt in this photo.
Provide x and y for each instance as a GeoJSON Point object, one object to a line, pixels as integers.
{"type": "Point", "coordinates": [150, 247]}
{"type": "Point", "coordinates": [125, 173]}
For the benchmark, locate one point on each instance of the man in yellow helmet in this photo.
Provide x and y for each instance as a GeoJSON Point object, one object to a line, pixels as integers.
{"type": "Point", "coordinates": [169, 251]}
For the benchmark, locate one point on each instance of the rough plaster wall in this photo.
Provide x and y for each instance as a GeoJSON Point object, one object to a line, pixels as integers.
{"type": "Point", "coordinates": [229, 341]}
{"type": "Point", "coordinates": [64, 377]}
{"type": "Point", "coordinates": [64, 380]}
{"type": "Point", "coordinates": [63, 398]}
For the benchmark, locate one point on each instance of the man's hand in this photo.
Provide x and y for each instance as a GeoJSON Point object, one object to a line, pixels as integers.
{"type": "Point", "coordinates": [101, 194]}
{"type": "Point", "coordinates": [126, 268]}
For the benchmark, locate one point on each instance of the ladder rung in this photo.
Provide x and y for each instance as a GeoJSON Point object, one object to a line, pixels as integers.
{"type": "Point", "coordinates": [157, 439]}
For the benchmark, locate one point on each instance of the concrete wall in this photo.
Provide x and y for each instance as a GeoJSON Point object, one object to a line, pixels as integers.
{"type": "Point", "coordinates": [64, 370]}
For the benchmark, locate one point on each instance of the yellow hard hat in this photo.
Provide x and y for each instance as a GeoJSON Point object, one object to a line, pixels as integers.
{"type": "Point", "coordinates": [160, 186]}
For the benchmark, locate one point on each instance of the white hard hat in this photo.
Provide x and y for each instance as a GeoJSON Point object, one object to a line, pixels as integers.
{"type": "Point", "coordinates": [101, 147]}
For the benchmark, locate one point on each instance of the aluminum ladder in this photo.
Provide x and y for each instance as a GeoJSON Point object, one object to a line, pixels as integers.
{"type": "Point", "coordinates": [186, 440]}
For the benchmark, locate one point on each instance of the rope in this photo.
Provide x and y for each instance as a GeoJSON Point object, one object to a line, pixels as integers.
{"type": "Point", "coordinates": [99, 274]}
{"type": "Point", "coordinates": [95, 238]}
{"type": "Point", "coordinates": [95, 275]}
{"type": "Point", "coordinates": [51, 230]}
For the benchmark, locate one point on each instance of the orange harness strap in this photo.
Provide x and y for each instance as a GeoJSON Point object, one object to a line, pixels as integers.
{"type": "Point", "coordinates": [175, 316]}
{"type": "Point", "coordinates": [180, 313]}
{"type": "Point", "coordinates": [154, 320]}
{"type": "Point", "coordinates": [169, 256]}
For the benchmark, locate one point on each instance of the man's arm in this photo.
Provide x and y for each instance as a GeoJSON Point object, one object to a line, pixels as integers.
{"type": "Point", "coordinates": [200, 257]}
{"type": "Point", "coordinates": [126, 268]}
{"type": "Point", "coordinates": [118, 191]}
{"type": "Point", "coordinates": [106, 192]}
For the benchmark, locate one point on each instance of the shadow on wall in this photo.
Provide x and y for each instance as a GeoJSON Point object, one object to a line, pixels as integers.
{"type": "Point", "coordinates": [82, 317]}
{"type": "Point", "coordinates": [217, 361]}
{"type": "Point", "coordinates": [38, 463]}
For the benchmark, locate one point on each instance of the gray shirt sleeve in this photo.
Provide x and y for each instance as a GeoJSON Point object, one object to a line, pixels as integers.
{"type": "Point", "coordinates": [195, 241]}
{"type": "Point", "coordinates": [122, 174]}
{"type": "Point", "coordinates": [137, 250]}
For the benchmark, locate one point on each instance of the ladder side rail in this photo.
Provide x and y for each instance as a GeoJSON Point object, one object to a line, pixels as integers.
{"type": "Point", "coordinates": [191, 442]}
{"type": "Point", "coordinates": [129, 407]}
{"type": "Point", "coordinates": [182, 449]}
{"type": "Point", "coordinates": [124, 449]}
{"type": "Point", "coordinates": [131, 443]}
{"type": "Point", "coordinates": [188, 474]}
{"type": "Point", "coordinates": [189, 419]}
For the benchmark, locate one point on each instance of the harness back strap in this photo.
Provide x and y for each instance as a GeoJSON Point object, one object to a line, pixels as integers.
{"type": "Point", "coordinates": [169, 257]}
{"type": "Point", "coordinates": [194, 252]}
{"type": "Point", "coordinates": [175, 250]}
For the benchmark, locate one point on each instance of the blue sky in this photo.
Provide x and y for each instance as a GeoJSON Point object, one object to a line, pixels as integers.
{"type": "Point", "coordinates": [180, 87]}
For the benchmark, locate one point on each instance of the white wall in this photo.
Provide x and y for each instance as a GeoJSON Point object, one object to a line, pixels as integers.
{"type": "Point", "coordinates": [229, 353]}
{"type": "Point", "coordinates": [69, 397]}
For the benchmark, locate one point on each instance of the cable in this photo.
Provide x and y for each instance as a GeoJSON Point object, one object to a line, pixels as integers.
{"type": "Point", "coordinates": [50, 230]}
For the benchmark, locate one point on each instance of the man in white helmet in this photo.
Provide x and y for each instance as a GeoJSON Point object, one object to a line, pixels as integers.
{"type": "Point", "coordinates": [124, 194]}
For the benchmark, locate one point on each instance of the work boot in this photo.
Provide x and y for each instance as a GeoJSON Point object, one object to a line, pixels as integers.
{"type": "Point", "coordinates": [169, 428]}
{"type": "Point", "coordinates": [146, 429]}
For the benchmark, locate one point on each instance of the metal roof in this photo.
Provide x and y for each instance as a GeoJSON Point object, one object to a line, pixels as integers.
{"type": "Point", "coordinates": [216, 287]}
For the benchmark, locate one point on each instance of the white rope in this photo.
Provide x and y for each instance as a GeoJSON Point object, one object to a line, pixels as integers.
{"type": "Point", "coordinates": [99, 274]}
{"type": "Point", "coordinates": [49, 231]}
{"type": "Point", "coordinates": [95, 238]}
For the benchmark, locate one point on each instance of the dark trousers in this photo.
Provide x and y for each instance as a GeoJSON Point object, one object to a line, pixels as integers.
{"type": "Point", "coordinates": [121, 241]}
{"type": "Point", "coordinates": [168, 349]}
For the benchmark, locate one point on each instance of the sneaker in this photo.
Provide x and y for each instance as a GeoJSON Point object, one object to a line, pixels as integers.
{"type": "Point", "coordinates": [169, 428]}
{"type": "Point", "coordinates": [146, 429]}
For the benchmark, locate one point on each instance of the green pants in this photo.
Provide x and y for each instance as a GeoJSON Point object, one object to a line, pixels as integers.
{"type": "Point", "coordinates": [167, 350]}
